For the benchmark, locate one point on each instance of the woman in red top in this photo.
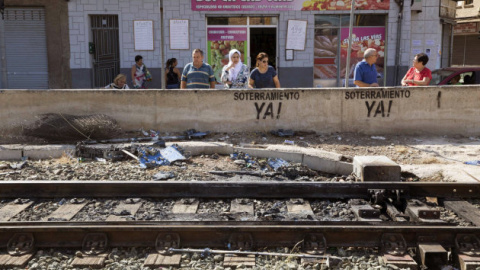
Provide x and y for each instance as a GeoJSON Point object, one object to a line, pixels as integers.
{"type": "Point", "coordinates": [418, 74]}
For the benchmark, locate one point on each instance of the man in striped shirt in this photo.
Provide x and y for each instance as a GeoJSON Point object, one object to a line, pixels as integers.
{"type": "Point", "coordinates": [197, 74]}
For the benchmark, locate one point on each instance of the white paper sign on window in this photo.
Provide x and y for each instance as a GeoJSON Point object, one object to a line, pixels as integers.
{"type": "Point", "coordinates": [179, 37]}
{"type": "Point", "coordinates": [296, 35]}
{"type": "Point", "coordinates": [143, 35]}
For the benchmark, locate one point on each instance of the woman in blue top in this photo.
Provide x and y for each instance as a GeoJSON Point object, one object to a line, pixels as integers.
{"type": "Point", "coordinates": [263, 76]}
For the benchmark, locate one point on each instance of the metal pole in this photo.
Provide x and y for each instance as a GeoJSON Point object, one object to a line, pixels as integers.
{"type": "Point", "coordinates": [349, 50]}
{"type": "Point", "coordinates": [162, 45]}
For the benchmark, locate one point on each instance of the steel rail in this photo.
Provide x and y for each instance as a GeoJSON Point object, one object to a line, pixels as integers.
{"type": "Point", "coordinates": [217, 234]}
{"type": "Point", "coordinates": [225, 189]}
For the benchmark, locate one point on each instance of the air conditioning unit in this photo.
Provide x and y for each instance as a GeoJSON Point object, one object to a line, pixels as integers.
{"type": "Point", "coordinates": [416, 5]}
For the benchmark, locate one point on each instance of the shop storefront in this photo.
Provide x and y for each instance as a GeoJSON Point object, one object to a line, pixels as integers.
{"type": "Point", "coordinates": [263, 26]}
{"type": "Point", "coordinates": [466, 44]}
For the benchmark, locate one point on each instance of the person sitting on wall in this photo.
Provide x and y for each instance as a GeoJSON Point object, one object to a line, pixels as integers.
{"type": "Point", "coordinates": [197, 74]}
{"type": "Point", "coordinates": [120, 82]}
{"type": "Point", "coordinates": [235, 73]}
{"type": "Point", "coordinates": [418, 74]}
{"type": "Point", "coordinates": [365, 74]}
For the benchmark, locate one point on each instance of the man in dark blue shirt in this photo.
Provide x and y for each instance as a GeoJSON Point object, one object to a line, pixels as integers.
{"type": "Point", "coordinates": [365, 74]}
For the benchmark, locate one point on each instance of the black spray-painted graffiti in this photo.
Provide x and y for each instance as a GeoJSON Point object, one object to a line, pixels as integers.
{"type": "Point", "coordinates": [264, 110]}
{"type": "Point", "coordinates": [378, 108]}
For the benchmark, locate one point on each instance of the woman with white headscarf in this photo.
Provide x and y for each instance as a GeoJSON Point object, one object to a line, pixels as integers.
{"type": "Point", "coordinates": [235, 73]}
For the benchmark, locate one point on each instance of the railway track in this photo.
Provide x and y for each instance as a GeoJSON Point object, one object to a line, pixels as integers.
{"type": "Point", "coordinates": [393, 217]}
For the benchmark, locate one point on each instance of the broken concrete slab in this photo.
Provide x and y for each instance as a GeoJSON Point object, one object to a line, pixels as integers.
{"type": "Point", "coordinates": [11, 152]}
{"type": "Point", "coordinates": [205, 148]}
{"type": "Point", "coordinates": [48, 151]}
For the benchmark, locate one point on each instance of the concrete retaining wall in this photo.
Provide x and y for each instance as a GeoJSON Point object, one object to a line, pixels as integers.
{"type": "Point", "coordinates": [419, 110]}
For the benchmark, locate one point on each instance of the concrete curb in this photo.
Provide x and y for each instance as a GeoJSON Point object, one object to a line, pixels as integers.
{"type": "Point", "coordinates": [313, 158]}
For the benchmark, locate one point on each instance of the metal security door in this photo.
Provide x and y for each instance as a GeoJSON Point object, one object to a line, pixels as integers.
{"type": "Point", "coordinates": [106, 62]}
{"type": "Point", "coordinates": [26, 48]}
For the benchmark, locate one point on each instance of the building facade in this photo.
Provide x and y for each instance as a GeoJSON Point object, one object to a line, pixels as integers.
{"type": "Point", "coordinates": [306, 41]}
{"type": "Point", "coordinates": [34, 44]}
{"type": "Point", "coordinates": [466, 40]}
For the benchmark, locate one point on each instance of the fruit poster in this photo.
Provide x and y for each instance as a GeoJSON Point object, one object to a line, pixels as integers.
{"type": "Point", "coordinates": [220, 40]}
{"type": "Point", "coordinates": [304, 5]}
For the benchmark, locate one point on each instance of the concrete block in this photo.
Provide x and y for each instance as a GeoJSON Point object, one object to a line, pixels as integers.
{"type": "Point", "coordinates": [48, 151]}
{"type": "Point", "coordinates": [207, 148]}
{"type": "Point", "coordinates": [11, 152]}
{"type": "Point", "coordinates": [376, 169]}
{"type": "Point", "coordinates": [268, 152]}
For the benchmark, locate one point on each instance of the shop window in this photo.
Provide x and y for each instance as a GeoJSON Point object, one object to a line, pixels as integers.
{"type": "Point", "coordinates": [227, 20]}
{"type": "Point", "coordinates": [263, 20]}
{"type": "Point", "coordinates": [331, 46]}
{"type": "Point", "coordinates": [364, 20]}
{"type": "Point", "coordinates": [327, 21]}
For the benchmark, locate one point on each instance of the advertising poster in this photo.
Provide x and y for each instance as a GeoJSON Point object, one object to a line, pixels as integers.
{"type": "Point", "coordinates": [325, 50]}
{"type": "Point", "coordinates": [220, 40]}
{"type": "Point", "coordinates": [294, 5]}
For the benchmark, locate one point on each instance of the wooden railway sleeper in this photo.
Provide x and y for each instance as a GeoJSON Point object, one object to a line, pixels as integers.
{"type": "Point", "coordinates": [394, 244]}
{"type": "Point", "coordinates": [21, 244]}
{"type": "Point", "coordinates": [166, 241]}
{"type": "Point", "coordinates": [467, 244]}
{"type": "Point", "coordinates": [315, 243]}
{"type": "Point", "coordinates": [95, 243]}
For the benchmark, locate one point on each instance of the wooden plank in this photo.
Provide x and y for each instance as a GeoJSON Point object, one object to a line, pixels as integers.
{"type": "Point", "coordinates": [9, 261]}
{"type": "Point", "coordinates": [156, 260]}
{"type": "Point", "coordinates": [235, 260]}
{"type": "Point", "coordinates": [181, 208]}
{"type": "Point", "coordinates": [312, 261]}
{"type": "Point", "coordinates": [65, 212]}
{"type": "Point", "coordinates": [464, 210]}
{"type": "Point", "coordinates": [236, 207]}
{"type": "Point", "coordinates": [92, 261]}
{"type": "Point", "coordinates": [12, 209]}
{"type": "Point", "coordinates": [294, 208]}
{"type": "Point", "coordinates": [122, 209]}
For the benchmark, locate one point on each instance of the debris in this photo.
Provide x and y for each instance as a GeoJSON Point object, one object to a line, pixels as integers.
{"type": "Point", "coordinates": [193, 134]}
{"type": "Point", "coordinates": [276, 163]}
{"type": "Point", "coordinates": [283, 133]}
{"type": "Point", "coordinates": [4, 166]}
{"type": "Point", "coordinates": [151, 157]}
{"type": "Point", "coordinates": [163, 176]}
{"type": "Point", "coordinates": [57, 127]}
{"type": "Point", "coordinates": [8, 173]}
{"type": "Point", "coordinates": [105, 151]}
{"type": "Point", "coordinates": [378, 138]}
{"type": "Point", "coordinates": [130, 154]}
{"type": "Point", "coordinates": [18, 166]}
{"type": "Point", "coordinates": [289, 142]}
{"type": "Point", "coordinates": [253, 173]}
{"type": "Point", "coordinates": [473, 162]}
{"type": "Point", "coordinates": [101, 160]}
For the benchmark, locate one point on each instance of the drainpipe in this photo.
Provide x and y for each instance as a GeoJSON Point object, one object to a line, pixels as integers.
{"type": "Point", "coordinates": [399, 36]}
{"type": "Point", "coordinates": [162, 51]}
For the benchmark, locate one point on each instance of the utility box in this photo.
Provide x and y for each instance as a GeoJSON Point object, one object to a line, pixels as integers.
{"type": "Point", "coordinates": [376, 169]}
